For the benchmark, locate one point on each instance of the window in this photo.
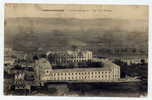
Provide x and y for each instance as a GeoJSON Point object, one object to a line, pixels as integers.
{"type": "Point", "coordinates": [54, 74]}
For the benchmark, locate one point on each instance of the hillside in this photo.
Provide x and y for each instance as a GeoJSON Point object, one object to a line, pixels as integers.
{"type": "Point", "coordinates": [48, 32]}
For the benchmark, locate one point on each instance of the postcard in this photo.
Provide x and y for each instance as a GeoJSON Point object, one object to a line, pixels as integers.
{"type": "Point", "coordinates": [95, 50]}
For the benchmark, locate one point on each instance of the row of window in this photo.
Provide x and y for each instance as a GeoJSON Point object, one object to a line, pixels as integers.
{"type": "Point", "coordinates": [93, 76]}
{"type": "Point", "coordinates": [71, 57]}
{"type": "Point", "coordinates": [69, 60]}
{"type": "Point", "coordinates": [99, 76]}
{"type": "Point", "coordinates": [82, 78]}
{"type": "Point", "coordinates": [62, 56]}
{"type": "Point", "coordinates": [77, 73]}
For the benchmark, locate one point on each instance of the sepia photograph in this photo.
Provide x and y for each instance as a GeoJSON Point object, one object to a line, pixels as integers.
{"type": "Point", "coordinates": [84, 50]}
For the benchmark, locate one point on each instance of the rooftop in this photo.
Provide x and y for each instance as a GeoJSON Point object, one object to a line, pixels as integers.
{"type": "Point", "coordinates": [107, 66]}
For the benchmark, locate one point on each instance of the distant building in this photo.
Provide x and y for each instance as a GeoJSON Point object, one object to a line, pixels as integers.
{"type": "Point", "coordinates": [19, 54]}
{"type": "Point", "coordinates": [8, 53]}
{"type": "Point", "coordinates": [19, 81]}
{"type": "Point", "coordinates": [69, 56]}
{"type": "Point", "coordinates": [131, 59]}
{"type": "Point", "coordinates": [9, 61]}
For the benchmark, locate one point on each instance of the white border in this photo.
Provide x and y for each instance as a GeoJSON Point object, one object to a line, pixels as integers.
{"type": "Point", "coordinates": [122, 2]}
{"type": "Point", "coordinates": [81, 1]}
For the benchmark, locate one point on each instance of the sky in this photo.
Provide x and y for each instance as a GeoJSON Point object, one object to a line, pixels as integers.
{"type": "Point", "coordinates": [129, 12]}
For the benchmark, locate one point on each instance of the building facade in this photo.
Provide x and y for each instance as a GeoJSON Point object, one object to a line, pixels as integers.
{"type": "Point", "coordinates": [109, 72]}
{"type": "Point", "coordinates": [40, 66]}
{"type": "Point", "coordinates": [68, 56]}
